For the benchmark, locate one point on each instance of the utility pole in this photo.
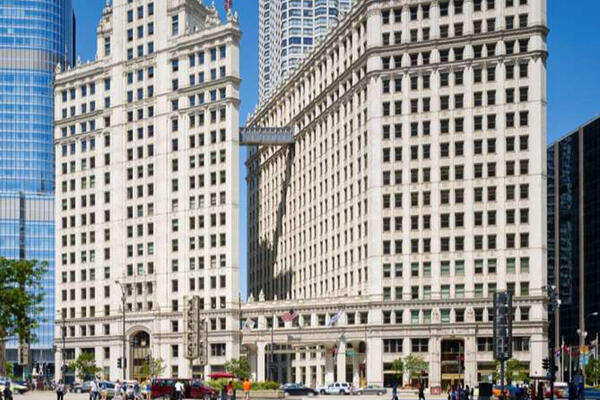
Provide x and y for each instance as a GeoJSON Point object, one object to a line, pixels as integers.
{"type": "Point", "coordinates": [123, 350]}
{"type": "Point", "coordinates": [271, 366]}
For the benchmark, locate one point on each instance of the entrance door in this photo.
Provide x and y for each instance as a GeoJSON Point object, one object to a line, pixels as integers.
{"type": "Point", "coordinates": [140, 356]}
{"type": "Point", "coordinates": [453, 363]}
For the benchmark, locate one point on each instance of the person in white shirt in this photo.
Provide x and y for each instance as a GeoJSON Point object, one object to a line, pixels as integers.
{"type": "Point", "coordinates": [179, 390]}
{"type": "Point", "coordinates": [94, 390]}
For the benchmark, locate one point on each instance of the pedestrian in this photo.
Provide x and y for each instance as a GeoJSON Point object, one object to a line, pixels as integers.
{"type": "Point", "coordinates": [229, 390]}
{"type": "Point", "coordinates": [94, 389]}
{"type": "Point", "coordinates": [472, 394]}
{"type": "Point", "coordinates": [148, 389]}
{"type": "Point", "coordinates": [421, 391]}
{"type": "Point", "coordinates": [179, 390]}
{"type": "Point", "coordinates": [467, 392]}
{"type": "Point", "coordinates": [247, 387]}
{"type": "Point", "coordinates": [540, 391]}
{"type": "Point", "coordinates": [395, 391]}
{"type": "Point", "coordinates": [7, 393]}
{"type": "Point", "coordinates": [60, 390]}
{"type": "Point", "coordinates": [118, 390]}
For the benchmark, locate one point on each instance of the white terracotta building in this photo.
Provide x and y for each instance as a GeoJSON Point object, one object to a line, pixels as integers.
{"type": "Point", "coordinates": [147, 159]}
{"type": "Point", "coordinates": [415, 190]}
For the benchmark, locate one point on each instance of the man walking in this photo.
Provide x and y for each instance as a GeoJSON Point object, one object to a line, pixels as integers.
{"type": "Point", "coordinates": [179, 390]}
{"type": "Point", "coordinates": [247, 387]}
{"type": "Point", "coordinates": [421, 391]}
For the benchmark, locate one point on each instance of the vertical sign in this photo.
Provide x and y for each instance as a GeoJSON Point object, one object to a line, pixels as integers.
{"type": "Point", "coordinates": [502, 326]}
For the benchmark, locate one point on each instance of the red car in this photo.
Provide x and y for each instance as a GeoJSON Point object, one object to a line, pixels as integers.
{"type": "Point", "coordinates": [194, 389]}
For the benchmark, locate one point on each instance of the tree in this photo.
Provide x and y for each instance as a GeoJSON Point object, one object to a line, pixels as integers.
{"type": "Point", "coordinates": [10, 371]}
{"type": "Point", "coordinates": [398, 368]}
{"type": "Point", "coordinates": [414, 365]}
{"type": "Point", "coordinates": [514, 371]}
{"type": "Point", "coordinates": [21, 296]}
{"type": "Point", "coordinates": [85, 366]}
{"type": "Point", "coordinates": [592, 371]}
{"type": "Point", "coordinates": [155, 367]}
{"type": "Point", "coordinates": [239, 367]}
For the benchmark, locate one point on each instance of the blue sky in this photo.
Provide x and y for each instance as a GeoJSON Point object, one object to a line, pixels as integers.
{"type": "Point", "coordinates": [573, 68]}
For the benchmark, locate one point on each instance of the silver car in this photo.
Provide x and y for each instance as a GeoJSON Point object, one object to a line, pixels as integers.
{"type": "Point", "coordinates": [372, 389]}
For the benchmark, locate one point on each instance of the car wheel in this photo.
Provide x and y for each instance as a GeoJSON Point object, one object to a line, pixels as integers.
{"type": "Point", "coordinates": [77, 390]}
{"type": "Point", "coordinates": [322, 391]}
{"type": "Point", "coordinates": [379, 393]}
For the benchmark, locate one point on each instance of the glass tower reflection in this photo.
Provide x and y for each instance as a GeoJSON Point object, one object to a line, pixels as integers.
{"type": "Point", "coordinates": [574, 183]}
{"type": "Point", "coordinates": [35, 36]}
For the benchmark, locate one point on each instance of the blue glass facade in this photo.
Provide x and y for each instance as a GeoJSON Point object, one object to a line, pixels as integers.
{"type": "Point", "coordinates": [35, 36]}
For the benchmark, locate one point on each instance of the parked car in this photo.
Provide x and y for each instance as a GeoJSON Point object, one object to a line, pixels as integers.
{"type": "Point", "coordinates": [15, 387]}
{"type": "Point", "coordinates": [372, 389]}
{"type": "Point", "coordinates": [296, 389]}
{"type": "Point", "coordinates": [108, 387]}
{"type": "Point", "coordinates": [322, 389]}
{"type": "Point", "coordinates": [84, 387]}
{"type": "Point", "coordinates": [195, 389]}
{"type": "Point", "coordinates": [339, 388]}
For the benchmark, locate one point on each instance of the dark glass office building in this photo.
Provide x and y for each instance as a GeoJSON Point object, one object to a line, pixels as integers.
{"type": "Point", "coordinates": [35, 36]}
{"type": "Point", "coordinates": [574, 230]}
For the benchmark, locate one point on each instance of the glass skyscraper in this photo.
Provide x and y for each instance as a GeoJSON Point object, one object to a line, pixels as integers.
{"type": "Point", "coordinates": [35, 36]}
{"type": "Point", "coordinates": [573, 238]}
{"type": "Point", "coordinates": [287, 31]}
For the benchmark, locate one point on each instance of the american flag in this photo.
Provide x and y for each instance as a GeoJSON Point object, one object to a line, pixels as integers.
{"type": "Point", "coordinates": [228, 4]}
{"type": "Point", "coordinates": [289, 316]}
{"type": "Point", "coordinates": [334, 318]}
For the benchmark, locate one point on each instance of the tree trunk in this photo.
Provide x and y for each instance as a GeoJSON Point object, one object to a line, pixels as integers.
{"type": "Point", "coordinates": [2, 352]}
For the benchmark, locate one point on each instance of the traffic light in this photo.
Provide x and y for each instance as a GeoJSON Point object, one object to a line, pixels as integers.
{"type": "Point", "coordinates": [119, 363]}
{"type": "Point", "coordinates": [546, 364]}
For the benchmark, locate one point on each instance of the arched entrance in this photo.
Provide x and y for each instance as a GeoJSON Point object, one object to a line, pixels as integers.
{"type": "Point", "coordinates": [139, 355]}
{"type": "Point", "coordinates": [453, 363]}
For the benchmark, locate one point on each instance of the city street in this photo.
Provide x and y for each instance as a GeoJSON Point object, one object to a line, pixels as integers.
{"type": "Point", "coordinates": [47, 395]}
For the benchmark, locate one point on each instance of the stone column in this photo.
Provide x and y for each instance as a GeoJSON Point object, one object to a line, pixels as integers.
{"type": "Point", "coordinates": [341, 361]}
{"type": "Point", "coordinates": [470, 360]}
{"type": "Point", "coordinates": [260, 361]}
{"type": "Point", "coordinates": [329, 377]}
{"type": "Point", "coordinates": [355, 371]}
{"type": "Point", "coordinates": [435, 366]}
{"type": "Point", "coordinates": [374, 361]}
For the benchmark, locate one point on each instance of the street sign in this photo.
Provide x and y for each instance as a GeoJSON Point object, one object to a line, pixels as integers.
{"type": "Point", "coordinates": [502, 326]}
{"type": "Point", "coordinates": [191, 319]}
{"type": "Point", "coordinates": [23, 353]}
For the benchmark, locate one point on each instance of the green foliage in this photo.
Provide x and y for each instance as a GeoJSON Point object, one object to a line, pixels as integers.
{"type": "Point", "coordinates": [398, 368]}
{"type": "Point", "coordinates": [21, 296]}
{"type": "Point", "coordinates": [414, 365]}
{"type": "Point", "coordinates": [266, 385]}
{"type": "Point", "coordinates": [514, 371]}
{"type": "Point", "coordinates": [592, 371]}
{"type": "Point", "coordinates": [10, 371]}
{"type": "Point", "coordinates": [240, 367]}
{"type": "Point", "coordinates": [155, 367]}
{"type": "Point", "coordinates": [219, 384]}
{"type": "Point", "coordinates": [85, 365]}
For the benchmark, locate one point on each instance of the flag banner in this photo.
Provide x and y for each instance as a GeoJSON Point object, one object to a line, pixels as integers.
{"type": "Point", "coordinates": [289, 316]}
{"type": "Point", "coordinates": [334, 318]}
{"type": "Point", "coordinates": [249, 324]}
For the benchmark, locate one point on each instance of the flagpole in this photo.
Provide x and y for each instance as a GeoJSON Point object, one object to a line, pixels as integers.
{"type": "Point", "coordinates": [562, 359]}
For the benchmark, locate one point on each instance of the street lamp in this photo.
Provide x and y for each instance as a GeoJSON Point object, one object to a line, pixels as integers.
{"type": "Point", "coordinates": [582, 335]}
{"type": "Point", "coordinates": [123, 360]}
{"type": "Point", "coordinates": [63, 331]}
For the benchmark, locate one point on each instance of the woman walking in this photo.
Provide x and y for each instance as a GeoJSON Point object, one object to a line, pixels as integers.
{"type": "Point", "coordinates": [60, 390]}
